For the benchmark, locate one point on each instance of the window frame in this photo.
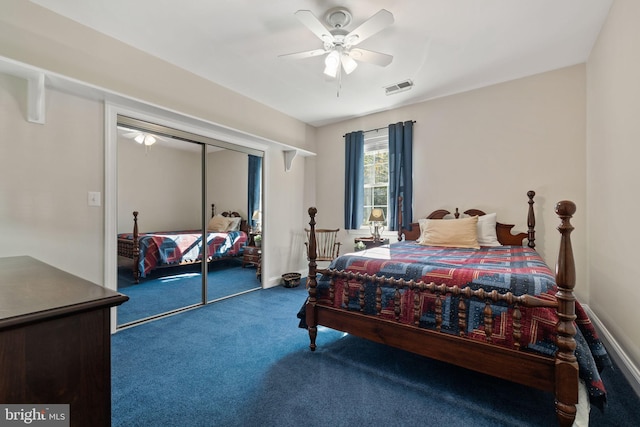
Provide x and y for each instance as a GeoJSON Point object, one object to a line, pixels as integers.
{"type": "Point", "coordinates": [376, 141]}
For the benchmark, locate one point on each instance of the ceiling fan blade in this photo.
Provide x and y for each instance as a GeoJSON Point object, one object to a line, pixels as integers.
{"type": "Point", "coordinates": [377, 58]}
{"type": "Point", "coordinates": [369, 27]}
{"type": "Point", "coordinates": [314, 24]}
{"type": "Point", "coordinates": [305, 54]}
{"type": "Point", "coordinates": [130, 135]}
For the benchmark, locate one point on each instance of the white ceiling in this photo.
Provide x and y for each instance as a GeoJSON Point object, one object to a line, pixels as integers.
{"type": "Point", "coordinates": [443, 46]}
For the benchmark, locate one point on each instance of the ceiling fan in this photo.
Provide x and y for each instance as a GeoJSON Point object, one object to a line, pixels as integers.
{"type": "Point", "coordinates": [144, 138]}
{"type": "Point", "coordinates": [339, 44]}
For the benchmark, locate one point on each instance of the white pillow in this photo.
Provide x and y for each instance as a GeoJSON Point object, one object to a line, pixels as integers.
{"type": "Point", "coordinates": [453, 233]}
{"type": "Point", "coordinates": [487, 230]}
{"type": "Point", "coordinates": [423, 224]}
{"type": "Point", "coordinates": [218, 224]}
{"type": "Point", "coordinates": [234, 223]}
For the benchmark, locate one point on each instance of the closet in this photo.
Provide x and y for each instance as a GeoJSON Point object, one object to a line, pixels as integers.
{"type": "Point", "coordinates": [175, 181]}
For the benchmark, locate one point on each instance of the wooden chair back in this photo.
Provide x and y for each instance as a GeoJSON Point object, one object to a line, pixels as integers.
{"type": "Point", "coordinates": [327, 245]}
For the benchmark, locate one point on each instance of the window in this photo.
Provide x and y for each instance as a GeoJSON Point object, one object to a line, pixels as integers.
{"type": "Point", "coordinates": [376, 173]}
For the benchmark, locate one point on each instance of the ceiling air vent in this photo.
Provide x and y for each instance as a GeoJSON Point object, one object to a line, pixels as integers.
{"type": "Point", "coordinates": [398, 87]}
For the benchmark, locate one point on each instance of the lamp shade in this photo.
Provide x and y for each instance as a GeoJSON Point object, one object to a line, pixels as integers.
{"type": "Point", "coordinates": [256, 216]}
{"type": "Point", "coordinates": [147, 139]}
{"type": "Point", "coordinates": [377, 215]}
{"type": "Point", "coordinates": [332, 63]}
{"type": "Point", "coordinates": [348, 63]}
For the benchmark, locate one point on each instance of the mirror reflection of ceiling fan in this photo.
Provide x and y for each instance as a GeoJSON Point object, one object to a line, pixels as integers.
{"type": "Point", "coordinates": [339, 44]}
{"type": "Point", "coordinates": [143, 138]}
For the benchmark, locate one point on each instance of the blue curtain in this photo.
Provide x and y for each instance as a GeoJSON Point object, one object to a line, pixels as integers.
{"type": "Point", "coordinates": [255, 180]}
{"type": "Point", "coordinates": [400, 173]}
{"type": "Point", "coordinates": [354, 180]}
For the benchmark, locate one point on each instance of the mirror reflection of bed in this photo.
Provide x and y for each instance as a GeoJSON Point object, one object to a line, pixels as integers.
{"type": "Point", "coordinates": [160, 251]}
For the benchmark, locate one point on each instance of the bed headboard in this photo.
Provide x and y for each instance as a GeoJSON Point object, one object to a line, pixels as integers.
{"type": "Point", "coordinates": [244, 226]}
{"type": "Point", "coordinates": [503, 231]}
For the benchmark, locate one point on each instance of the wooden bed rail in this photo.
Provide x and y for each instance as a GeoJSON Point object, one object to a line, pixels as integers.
{"type": "Point", "coordinates": [440, 292]}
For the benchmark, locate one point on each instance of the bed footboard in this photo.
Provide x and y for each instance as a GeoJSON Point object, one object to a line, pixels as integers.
{"type": "Point", "coordinates": [557, 374]}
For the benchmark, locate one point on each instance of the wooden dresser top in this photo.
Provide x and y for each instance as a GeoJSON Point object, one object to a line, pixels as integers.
{"type": "Point", "coordinates": [31, 290]}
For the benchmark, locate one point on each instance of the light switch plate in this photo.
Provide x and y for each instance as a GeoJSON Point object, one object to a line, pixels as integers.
{"type": "Point", "coordinates": [94, 198]}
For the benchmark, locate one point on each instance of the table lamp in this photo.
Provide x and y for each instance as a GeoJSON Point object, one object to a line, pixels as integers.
{"type": "Point", "coordinates": [256, 219]}
{"type": "Point", "coordinates": [376, 218]}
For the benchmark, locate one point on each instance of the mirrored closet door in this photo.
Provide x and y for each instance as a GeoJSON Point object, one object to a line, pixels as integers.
{"type": "Point", "coordinates": [182, 199]}
{"type": "Point", "coordinates": [159, 223]}
{"type": "Point", "coordinates": [228, 190]}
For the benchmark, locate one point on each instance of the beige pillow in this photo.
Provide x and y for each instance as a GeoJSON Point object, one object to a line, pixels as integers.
{"type": "Point", "coordinates": [452, 233]}
{"type": "Point", "coordinates": [218, 224]}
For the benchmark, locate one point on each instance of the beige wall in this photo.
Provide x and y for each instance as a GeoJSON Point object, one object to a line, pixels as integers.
{"type": "Point", "coordinates": [163, 184]}
{"type": "Point", "coordinates": [485, 149]}
{"type": "Point", "coordinates": [51, 167]}
{"type": "Point", "coordinates": [228, 181]}
{"type": "Point", "coordinates": [613, 150]}
{"type": "Point", "coordinates": [46, 173]}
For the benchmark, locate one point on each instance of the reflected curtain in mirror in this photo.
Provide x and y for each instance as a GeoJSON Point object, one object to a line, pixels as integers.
{"type": "Point", "coordinates": [254, 187]}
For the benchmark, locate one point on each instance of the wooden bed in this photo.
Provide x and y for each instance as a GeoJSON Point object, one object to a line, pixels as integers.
{"type": "Point", "coordinates": [129, 244]}
{"type": "Point", "coordinates": [558, 374]}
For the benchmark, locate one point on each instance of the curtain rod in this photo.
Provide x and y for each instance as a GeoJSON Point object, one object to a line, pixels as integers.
{"type": "Point", "coordinates": [377, 129]}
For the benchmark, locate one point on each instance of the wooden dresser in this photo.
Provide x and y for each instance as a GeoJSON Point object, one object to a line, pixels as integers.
{"type": "Point", "coordinates": [253, 256]}
{"type": "Point", "coordinates": [55, 340]}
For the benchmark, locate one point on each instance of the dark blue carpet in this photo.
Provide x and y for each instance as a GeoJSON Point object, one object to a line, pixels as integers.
{"type": "Point", "coordinates": [244, 362]}
{"type": "Point", "coordinates": [171, 288]}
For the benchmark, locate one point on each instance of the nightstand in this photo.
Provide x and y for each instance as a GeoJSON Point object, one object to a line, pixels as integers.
{"type": "Point", "coordinates": [253, 256]}
{"type": "Point", "coordinates": [370, 243]}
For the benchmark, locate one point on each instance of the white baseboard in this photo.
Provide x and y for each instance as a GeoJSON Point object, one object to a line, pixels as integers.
{"type": "Point", "coordinates": [626, 365]}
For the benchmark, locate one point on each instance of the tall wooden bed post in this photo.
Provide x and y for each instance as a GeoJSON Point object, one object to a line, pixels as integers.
{"type": "Point", "coordinates": [531, 221]}
{"type": "Point", "coordinates": [136, 249]}
{"type": "Point", "coordinates": [566, 366]}
{"type": "Point", "coordinates": [311, 280]}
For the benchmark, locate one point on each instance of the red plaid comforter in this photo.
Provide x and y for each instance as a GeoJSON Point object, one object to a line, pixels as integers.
{"type": "Point", "coordinates": [515, 269]}
{"type": "Point", "coordinates": [174, 247]}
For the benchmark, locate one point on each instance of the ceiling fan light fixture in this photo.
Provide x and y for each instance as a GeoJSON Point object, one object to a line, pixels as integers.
{"type": "Point", "coordinates": [348, 63]}
{"type": "Point", "coordinates": [339, 44]}
{"type": "Point", "coordinates": [332, 63]}
{"type": "Point", "coordinates": [145, 138]}
{"type": "Point", "coordinates": [149, 140]}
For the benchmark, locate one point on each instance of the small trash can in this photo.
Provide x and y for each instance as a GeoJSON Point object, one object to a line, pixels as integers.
{"type": "Point", "coordinates": [291, 280]}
